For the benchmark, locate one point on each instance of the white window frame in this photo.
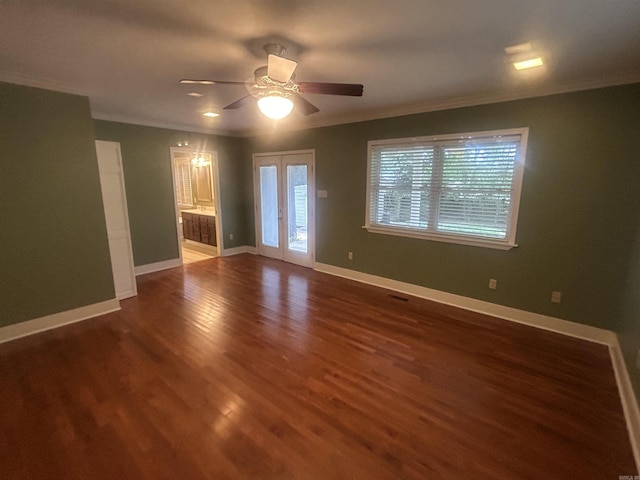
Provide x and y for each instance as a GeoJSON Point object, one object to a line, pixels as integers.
{"type": "Point", "coordinates": [465, 239]}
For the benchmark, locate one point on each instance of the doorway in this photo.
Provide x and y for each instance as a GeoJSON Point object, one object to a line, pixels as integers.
{"type": "Point", "coordinates": [284, 192]}
{"type": "Point", "coordinates": [197, 202]}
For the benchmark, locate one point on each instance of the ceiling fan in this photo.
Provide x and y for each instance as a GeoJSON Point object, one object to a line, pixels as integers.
{"type": "Point", "coordinates": [276, 88]}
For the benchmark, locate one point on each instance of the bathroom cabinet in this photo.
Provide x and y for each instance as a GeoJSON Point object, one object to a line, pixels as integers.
{"type": "Point", "coordinates": [199, 228]}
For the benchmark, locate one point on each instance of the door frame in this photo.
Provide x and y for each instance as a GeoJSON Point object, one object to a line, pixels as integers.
{"type": "Point", "coordinates": [125, 213]}
{"type": "Point", "coordinates": [311, 202]}
{"type": "Point", "coordinates": [216, 192]}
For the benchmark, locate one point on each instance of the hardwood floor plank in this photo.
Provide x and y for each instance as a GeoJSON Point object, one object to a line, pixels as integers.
{"type": "Point", "coordinates": [245, 367]}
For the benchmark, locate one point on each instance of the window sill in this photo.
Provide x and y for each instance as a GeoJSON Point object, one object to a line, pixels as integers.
{"type": "Point", "coordinates": [472, 241]}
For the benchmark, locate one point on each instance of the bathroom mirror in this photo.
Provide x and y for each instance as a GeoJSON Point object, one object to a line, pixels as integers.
{"type": "Point", "coordinates": [203, 183]}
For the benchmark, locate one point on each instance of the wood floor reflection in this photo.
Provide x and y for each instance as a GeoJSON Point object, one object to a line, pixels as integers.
{"type": "Point", "coordinates": [249, 368]}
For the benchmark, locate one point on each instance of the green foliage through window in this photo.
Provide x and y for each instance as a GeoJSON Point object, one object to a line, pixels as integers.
{"type": "Point", "coordinates": [465, 185]}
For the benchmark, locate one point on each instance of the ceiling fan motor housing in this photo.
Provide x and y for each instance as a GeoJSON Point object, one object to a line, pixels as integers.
{"type": "Point", "coordinates": [275, 49]}
{"type": "Point", "coordinates": [265, 85]}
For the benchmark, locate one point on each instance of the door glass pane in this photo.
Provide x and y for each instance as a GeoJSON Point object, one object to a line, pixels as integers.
{"type": "Point", "coordinates": [297, 208]}
{"type": "Point", "coordinates": [269, 205]}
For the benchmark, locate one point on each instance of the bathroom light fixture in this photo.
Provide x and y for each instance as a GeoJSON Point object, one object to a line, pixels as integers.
{"type": "Point", "coordinates": [210, 114]}
{"type": "Point", "coordinates": [198, 160]}
{"type": "Point", "coordinates": [275, 105]}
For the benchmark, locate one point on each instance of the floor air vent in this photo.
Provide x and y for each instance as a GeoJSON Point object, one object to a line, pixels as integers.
{"type": "Point", "coordinates": [398, 297]}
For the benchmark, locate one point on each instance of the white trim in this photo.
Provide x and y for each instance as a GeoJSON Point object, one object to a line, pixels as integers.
{"type": "Point", "coordinates": [467, 240]}
{"type": "Point", "coordinates": [280, 159]}
{"type": "Point", "coordinates": [449, 104]}
{"type": "Point", "coordinates": [37, 325]}
{"type": "Point", "coordinates": [215, 180]}
{"type": "Point", "coordinates": [82, 90]}
{"type": "Point", "coordinates": [101, 145]}
{"type": "Point", "coordinates": [434, 142]}
{"type": "Point", "coordinates": [544, 322]}
{"type": "Point", "coordinates": [317, 122]}
{"type": "Point", "coordinates": [627, 397]}
{"type": "Point", "coordinates": [578, 330]}
{"type": "Point", "coordinates": [155, 123]}
{"type": "Point", "coordinates": [158, 266]}
{"type": "Point", "coordinates": [228, 252]}
{"type": "Point", "coordinates": [286, 152]}
{"type": "Point", "coordinates": [176, 210]}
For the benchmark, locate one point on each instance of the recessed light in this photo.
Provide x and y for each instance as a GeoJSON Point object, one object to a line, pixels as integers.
{"type": "Point", "coordinates": [531, 63]}
{"type": "Point", "coordinates": [210, 114]}
{"type": "Point", "coordinates": [519, 48]}
{"type": "Point", "coordinates": [194, 94]}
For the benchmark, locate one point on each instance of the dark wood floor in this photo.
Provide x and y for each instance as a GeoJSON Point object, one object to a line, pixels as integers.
{"type": "Point", "coordinates": [245, 367]}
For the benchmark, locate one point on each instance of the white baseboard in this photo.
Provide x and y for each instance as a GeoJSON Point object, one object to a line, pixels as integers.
{"type": "Point", "coordinates": [585, 332]}
{"type": "Point", "coordinates": [156, 267]}
{"type": "Point", "coordinates": [227, 252]}
{"type": "Point", "coordinates": [628, 398]}
{"type": "Point", "coordinates": [29, 327]}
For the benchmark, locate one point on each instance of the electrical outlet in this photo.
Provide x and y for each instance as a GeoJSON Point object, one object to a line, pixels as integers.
{"type": "Point", "coordinates": [556, 297]}
{"type": "Point", "coordinates": [231, 236]}
{"type": "Point", "coordinates": [493, 283]}
{"type": "Point", "coordinates": [349, 255]}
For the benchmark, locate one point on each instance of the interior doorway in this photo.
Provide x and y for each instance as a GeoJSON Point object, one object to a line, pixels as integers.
{"type": "Point", "coordinates": [197, 201]}
{"type": "Point", "coordinates": [284, 193]}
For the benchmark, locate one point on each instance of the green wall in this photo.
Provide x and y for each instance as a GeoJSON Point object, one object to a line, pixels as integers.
{"type": "Point", "coordinates": [148, 181]}
{"type": "Point", "coordinates": [54, 252]}
{"type": "Point", "coordinates": [578, 212]}
{"type": "Point", "coordinates": [628, 328]}
{"type": "Point", "coordinates": [576, 230]}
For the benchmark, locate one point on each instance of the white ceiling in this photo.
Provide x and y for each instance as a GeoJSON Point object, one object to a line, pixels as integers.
{"type": "Point", "coordinates": [127, 56]}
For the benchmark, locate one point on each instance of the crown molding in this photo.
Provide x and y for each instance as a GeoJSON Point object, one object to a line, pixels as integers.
{"type": "Point", "coordinates": [46, 84]}
{"type": "Point", "coordinates": [97, 115]}
{"type": "Point", "coordinates": [377, 114]}
{"type": "Point", "coordinates": [459, 102]}
{"type": "Point", "coordinates": [70, 88]}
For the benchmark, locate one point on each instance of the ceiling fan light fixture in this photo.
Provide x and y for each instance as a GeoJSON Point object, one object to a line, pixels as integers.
{"type": "Point", "coordinates": [275, 105]}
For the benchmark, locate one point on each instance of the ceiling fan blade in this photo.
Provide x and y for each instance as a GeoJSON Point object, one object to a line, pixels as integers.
{"type": "Point", "coordinates": [303, 106]}
{"type": "Point", "coordinates": [349, 89]}
{"type": "Point", "coordinates": [239, 103]}
{"type": "Point", "coordinates": [280, 69]}
{"type": "Point", "coordinates": [189, 81]}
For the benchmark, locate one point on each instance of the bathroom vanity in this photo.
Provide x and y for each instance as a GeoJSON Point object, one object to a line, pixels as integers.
{"type": "Point", "coordinates": [199, 226]}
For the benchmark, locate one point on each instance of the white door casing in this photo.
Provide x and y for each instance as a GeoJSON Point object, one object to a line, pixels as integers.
{"type": "Point", "coordinates": [215, 180]}
{"type": "Point", "coordinates": [278, 202]}
{"type": "Point", "coordinates": [117, 218]}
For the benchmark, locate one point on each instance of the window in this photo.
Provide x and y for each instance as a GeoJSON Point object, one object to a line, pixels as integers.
{"type": "Point", "coordinates": [462, 188]}
{"type": "Point", "coordinates": [182, 179]}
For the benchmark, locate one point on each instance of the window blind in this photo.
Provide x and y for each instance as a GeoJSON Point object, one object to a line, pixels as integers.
{"type": "Point", "coordinates": [466, 185]}
{"type": "Point", "coordinates": [182, 180]}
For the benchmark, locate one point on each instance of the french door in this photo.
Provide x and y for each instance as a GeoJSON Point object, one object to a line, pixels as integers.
{"type": "Point", "coordinates": [284, 206]}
